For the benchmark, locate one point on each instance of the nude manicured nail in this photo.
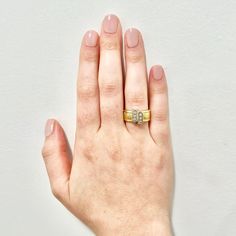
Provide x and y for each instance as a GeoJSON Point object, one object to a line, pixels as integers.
{"type": "Point", "coordinates": [157, 72]}
{"type": "Point", "coordinates": [110, 24]}
{"type": "Point", "coordinates": [132, 37]}
{"type": "Point", "coordinates": [91, 38]}
{"type": "Point", "coordinates": [49, 127]}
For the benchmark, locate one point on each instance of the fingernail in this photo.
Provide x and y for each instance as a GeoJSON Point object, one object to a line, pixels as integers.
{"type": "Point", "coordinates": [132, 36]}
{"type": "Point", "coordinates": [157, 72]}
{"type": "Point", "coordinates": [110, 24]}
{"type": "Point", "coordinates": [91, 38]}
{"type": "Point", "coordinates": [49, 127]}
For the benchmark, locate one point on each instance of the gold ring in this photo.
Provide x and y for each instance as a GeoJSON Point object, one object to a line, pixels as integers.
{"type": "Point", "coordinates": [137, 116]}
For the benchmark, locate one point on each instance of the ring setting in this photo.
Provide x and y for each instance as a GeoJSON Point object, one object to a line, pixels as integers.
{"type": "Point", "coordinates": [137, 116]}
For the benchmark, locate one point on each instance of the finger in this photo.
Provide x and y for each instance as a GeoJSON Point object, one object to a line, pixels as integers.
{"type": "Point", "coordinates": [88, 117]}
{"type": "Point", "coordinates": [159, 125]}
{"type": "Point", "coordinates": [136, 96]}
{"type": "Point", "coordinates": [110, 72]}
{"type": "Point", "coordinates": [57, 157]}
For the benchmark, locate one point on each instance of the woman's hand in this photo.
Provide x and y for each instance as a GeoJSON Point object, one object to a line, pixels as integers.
{"type": "Point", "coordinates": [119, 179]}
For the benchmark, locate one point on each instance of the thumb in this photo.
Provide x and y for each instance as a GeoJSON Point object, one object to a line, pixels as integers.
{"type": "Point", "coordinates": [57, 156]}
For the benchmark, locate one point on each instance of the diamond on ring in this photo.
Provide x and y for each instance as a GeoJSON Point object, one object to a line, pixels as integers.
{"type": "Point", "coordinates": [137, 117]}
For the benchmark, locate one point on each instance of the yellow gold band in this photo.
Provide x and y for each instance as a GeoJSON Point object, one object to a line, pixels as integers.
{"type": "Point", "coordinates": [137, 116]}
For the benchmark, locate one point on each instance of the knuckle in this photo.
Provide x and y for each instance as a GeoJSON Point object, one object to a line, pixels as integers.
{"type": "Point", "coordinates": [84, 118]}
{"type": "Point", "coordinates": [87, 91]}
{"type": "Point", "coordinates": [109, 112]}
{"type": "Point", "coordinates": [87, 149]}
{"type": "Point", "coordinates": [136, 98]}
{"type": "Point", "coordinates": [90, 55]}
{"type": "Point", "coordinates": [113, 150]}
{"type": "Point", "coordinates": [134, 57]}
{"type": "Point", "coordinates": [161, 88]}
{"type": "Point", "coordinates": [160, 115]}
{"type": "Point", "coordinates": [50, 150]}
{"type": "Point", "coordinates": [109, 44]}
{"type": "Point", "coordinates": [47, 151]}
{"type": "Point", "coordinates": [138, 165]}
{"type": "Point", "coordinates": [109, 88]}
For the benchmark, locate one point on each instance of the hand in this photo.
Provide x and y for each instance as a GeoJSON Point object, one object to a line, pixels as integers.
{"type": "Point", "coordinates": [119, 179]}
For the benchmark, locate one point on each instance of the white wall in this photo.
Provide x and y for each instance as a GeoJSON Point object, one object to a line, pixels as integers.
{"type": "Point", "coordinates": [195, 40]}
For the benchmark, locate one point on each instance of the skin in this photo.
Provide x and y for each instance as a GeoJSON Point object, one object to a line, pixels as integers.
{"type": "Point", "coordinates": [119, 178]}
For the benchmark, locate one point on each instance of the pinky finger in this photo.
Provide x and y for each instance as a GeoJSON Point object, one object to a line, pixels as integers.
{"type": "Point", "coordinates": [158, 97]}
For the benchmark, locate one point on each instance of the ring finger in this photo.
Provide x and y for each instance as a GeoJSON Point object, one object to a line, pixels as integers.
{"type": "Point", "coordinates": [136, 94]}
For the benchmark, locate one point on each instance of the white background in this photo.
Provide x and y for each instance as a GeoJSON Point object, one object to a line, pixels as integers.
{"type": "Point", "coordinates": [195, 41]}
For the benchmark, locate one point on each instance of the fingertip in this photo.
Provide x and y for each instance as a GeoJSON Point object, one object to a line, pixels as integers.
{"type": "Point", "coordinates": [54, 136]}
{"type": "Point", "coordinates": [132, 37]}
{"type": "Point", "coordinates": [49, 127]}
{"type": "Point", "coordinates": [90, 38]}
{"type": "Point", "coordinates": [110, 23]}
{"type": "Point", "coordinates": [157, 80]}
{"type": "Point", "coordinates": [89, 49]}
{"type": "Point", "coordinates": [157, 72]}
{"type": "Point", "coordinates": [134, 47]}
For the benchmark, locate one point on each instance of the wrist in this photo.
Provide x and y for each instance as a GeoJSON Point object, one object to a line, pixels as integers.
{"type": "Point", "coordinates": [155, 228]}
